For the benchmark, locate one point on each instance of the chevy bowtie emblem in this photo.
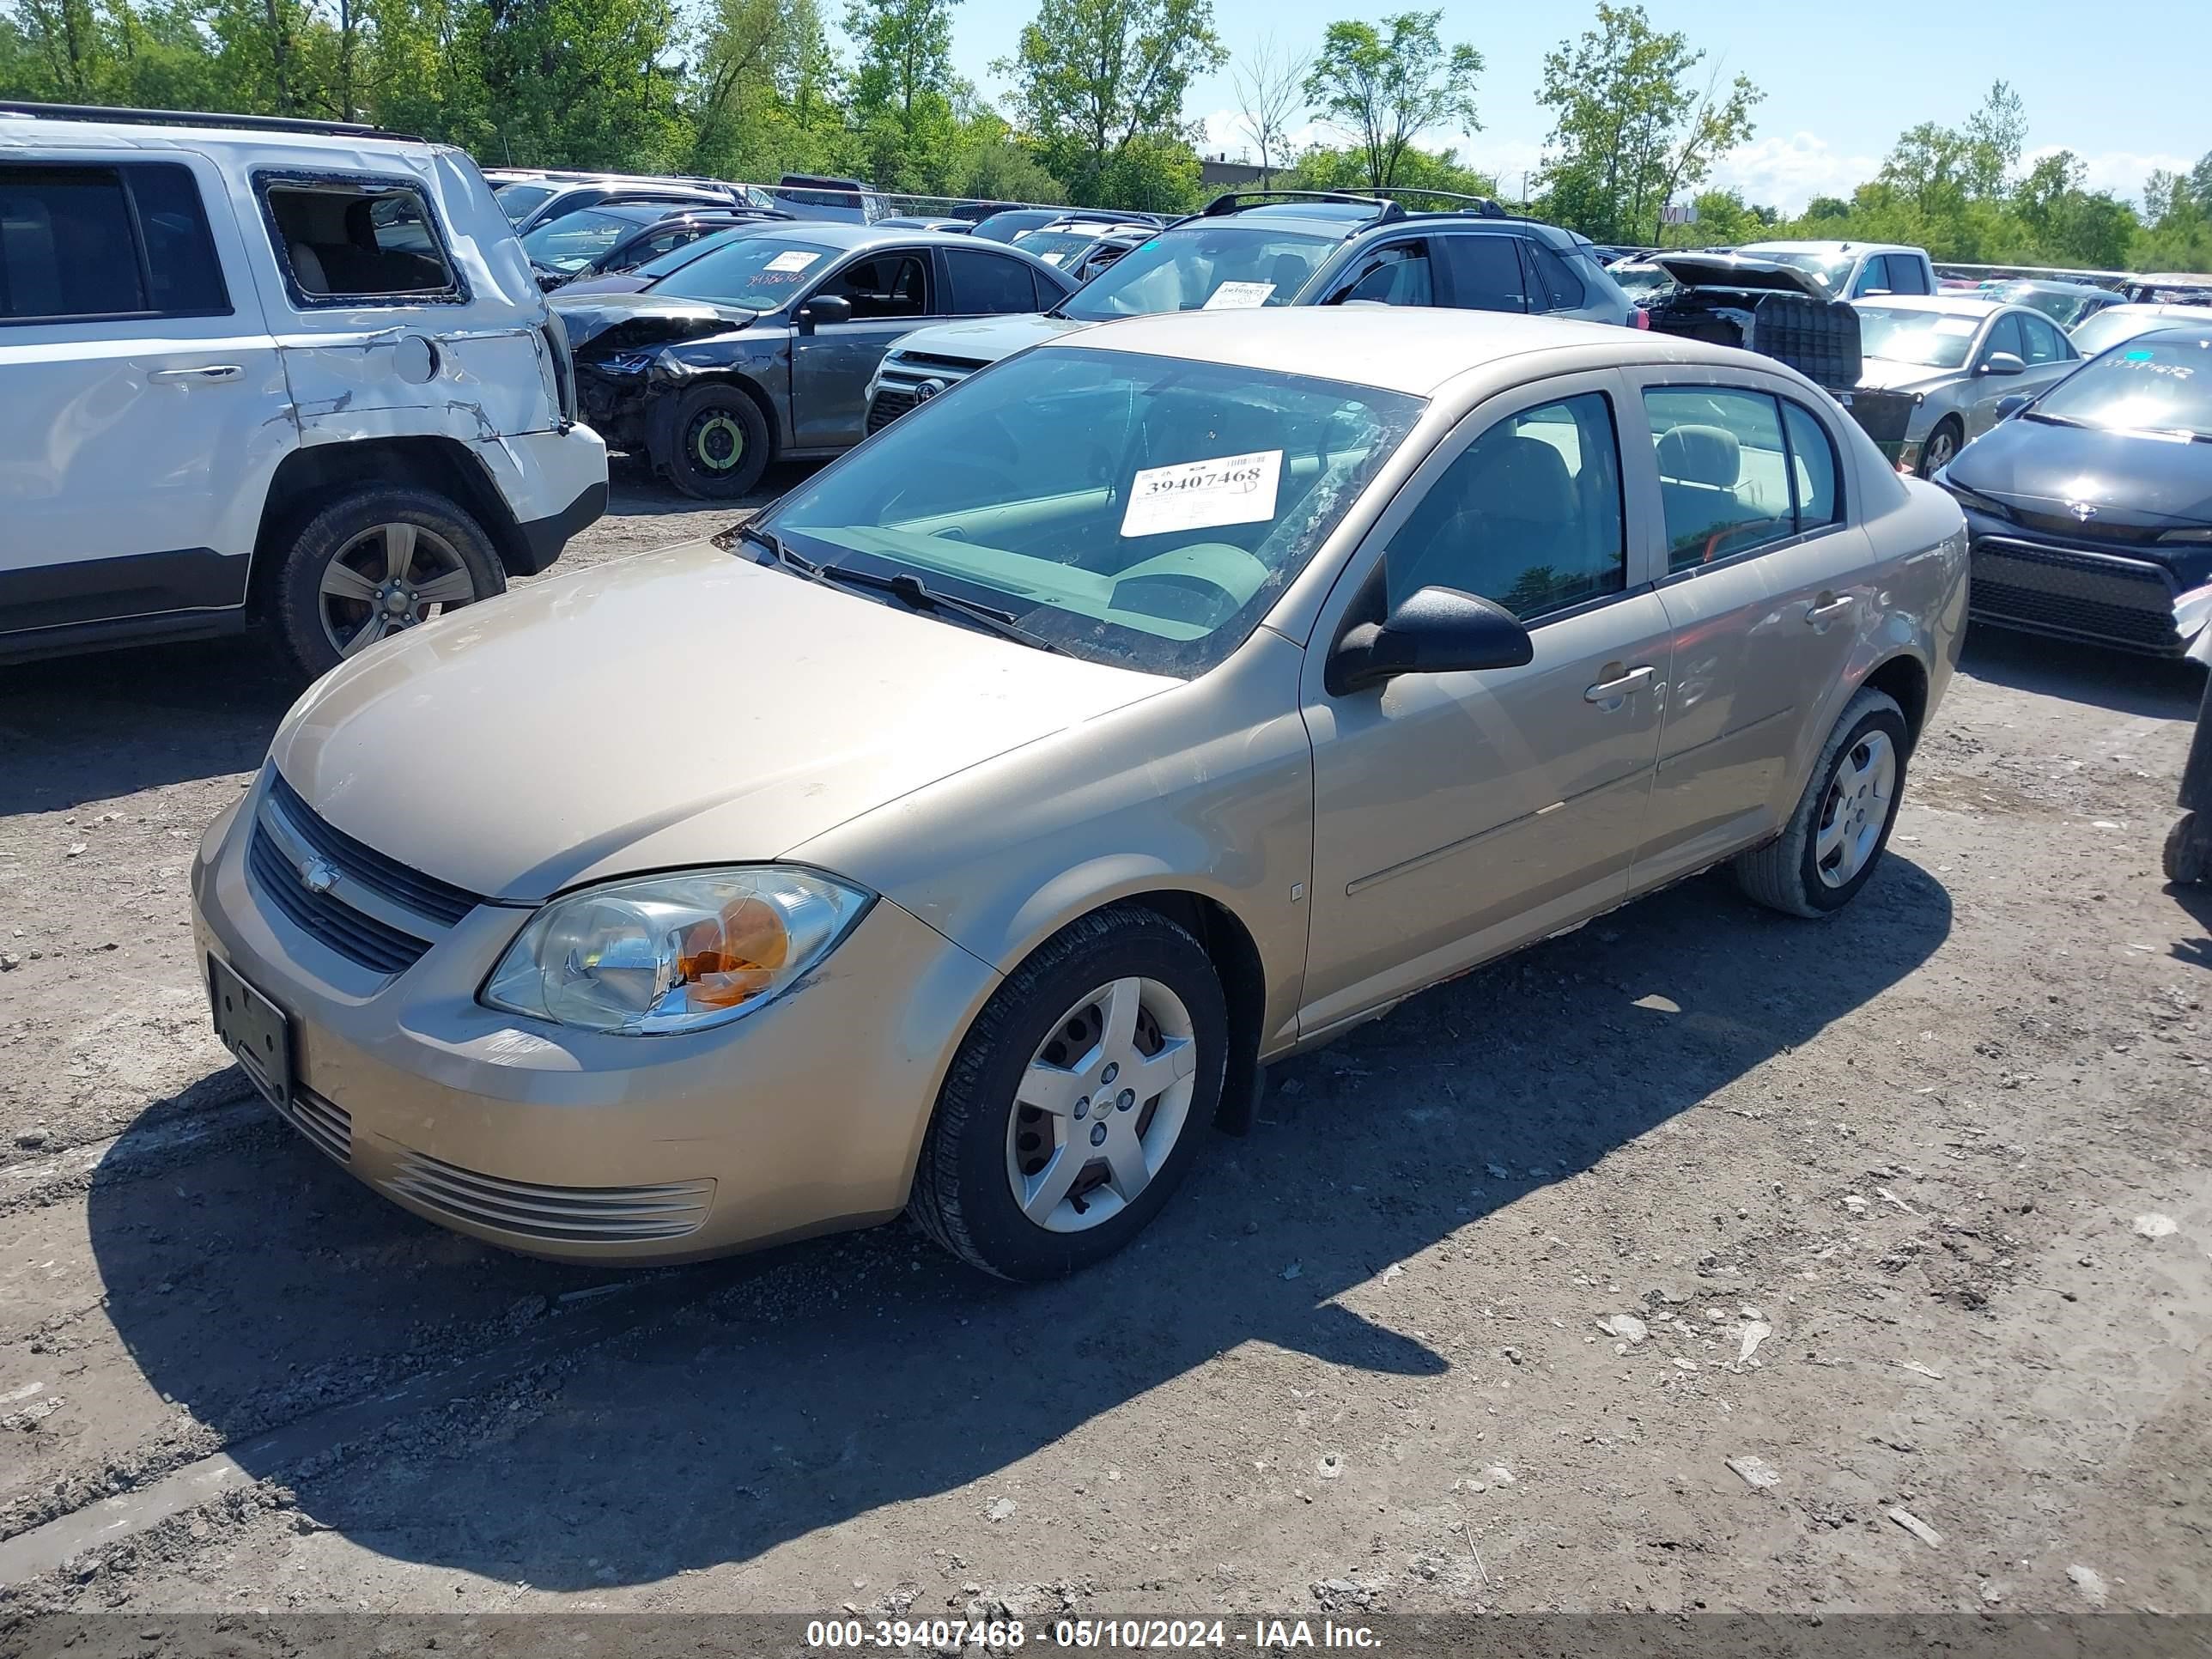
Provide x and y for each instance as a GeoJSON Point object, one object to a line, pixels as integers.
{"type": "Point", "coordinates": [319, 875]}
{"type": "Point", "coordinates": [2081, 510]}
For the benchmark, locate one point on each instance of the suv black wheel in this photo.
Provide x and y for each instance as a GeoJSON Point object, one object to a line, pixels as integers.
{"type": "Point", "coordinates": [719, 444]}
{"type": "Point", "coordinates": [373, 563]}
{"type": "Point", "coordinates": [1078, 1099]}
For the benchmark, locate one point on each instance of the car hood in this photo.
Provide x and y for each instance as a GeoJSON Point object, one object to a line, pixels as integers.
{"type": "Point", "coordinates": [986, 341]}
{"type": "Point", "coordinates": [683, 708]}
{"type": "Point", "coordinates": [2129, 477]}
{"type": "Point", "coordinates": [631, 322]}
{"type": "Point", "coordinates": [1739, 272]}
{"type": "Point", "coordinates": [1882, 375]}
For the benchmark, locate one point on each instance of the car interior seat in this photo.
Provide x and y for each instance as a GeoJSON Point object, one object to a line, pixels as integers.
{"type": "Point", "coordinates": [1507, 528]}
{"type": "Point", "coordinates": [1700, 480]}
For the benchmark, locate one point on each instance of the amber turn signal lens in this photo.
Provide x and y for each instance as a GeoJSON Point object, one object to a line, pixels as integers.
{"type": "Point", "coordinates": [732, 959]}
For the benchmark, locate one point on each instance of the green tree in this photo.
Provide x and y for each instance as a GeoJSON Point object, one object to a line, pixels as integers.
{"type": "Point", "coordinates": [1631, 125]}
{"type": "Point", "coordinates": [1094, 77]}
{"type": "Point", "coordinates": [903, 91]}
{"type": "Point", "coordinates": [1384, 87]}
{"type": "Point", "coordinates": [1325, 167]}
{"type": "Point", "coordinates": [577, 83]}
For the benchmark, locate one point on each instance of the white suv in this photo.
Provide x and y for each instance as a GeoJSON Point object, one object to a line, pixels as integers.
{"type": "Point", "coordinates": [255, 370]}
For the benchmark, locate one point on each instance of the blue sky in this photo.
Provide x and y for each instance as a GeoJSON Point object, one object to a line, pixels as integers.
{"type": "Point", "coordinates": [1841, 80]}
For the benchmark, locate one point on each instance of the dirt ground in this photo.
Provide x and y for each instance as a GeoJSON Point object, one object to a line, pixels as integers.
{"type": "Point", "coordinates": [1666, 1266]}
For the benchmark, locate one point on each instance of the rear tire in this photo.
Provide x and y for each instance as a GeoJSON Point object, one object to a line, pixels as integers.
{"type": "Point", "coordinates": [984, 1137]}
{"type": "Point", "coordinates": [337, 590]}
{"type": "Point", "coordinates": [1836, 836]}
{"type": "Point", "coordinates": [718, 444]}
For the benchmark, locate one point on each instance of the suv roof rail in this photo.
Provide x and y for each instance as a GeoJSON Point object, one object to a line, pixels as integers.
{"type": "Point", "coordinates": [1482, 206]}
{"type": "Point", "coordinates": [177, 118]}
{"type": "Point", "coordinates": [1238, 200]}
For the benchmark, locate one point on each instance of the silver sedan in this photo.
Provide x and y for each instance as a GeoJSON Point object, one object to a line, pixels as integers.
{"type": "Point", "coordinates": [1960, 358]}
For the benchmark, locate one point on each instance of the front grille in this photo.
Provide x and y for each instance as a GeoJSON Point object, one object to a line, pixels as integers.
{"type": "Point", "coordinates": [352, 934]}
{"type": "Point", "coordinates": [2092, 530]}
{"type": "Point", "coordinates": [2089, 595]}
{"type": "Point", "coordinates": [573, 1214]}
{"type": "Point", "coordinates": [328, 1124]}
{"type": "Point", "coordinates": [888, 407]}
{"type": "Point", "coordinates": [958, 368]}
{"type": "Point", "coordinates": [428, 896]}
{"type": "Point", "coordinates": [897, 389]}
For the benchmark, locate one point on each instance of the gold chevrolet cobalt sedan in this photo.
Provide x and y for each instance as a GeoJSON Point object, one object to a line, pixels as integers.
{"type": "Point", "coordinates": [962, 833]}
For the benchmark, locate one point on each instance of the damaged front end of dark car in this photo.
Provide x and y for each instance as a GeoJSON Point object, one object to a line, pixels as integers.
{"type": "Point", "coordinates": [641, 363]}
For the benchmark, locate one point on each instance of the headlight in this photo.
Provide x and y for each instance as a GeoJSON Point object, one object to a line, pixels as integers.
{"type": "Point", "coordinates": [625, 362]}
{"type": "Point", "coordinates": [674, 953]}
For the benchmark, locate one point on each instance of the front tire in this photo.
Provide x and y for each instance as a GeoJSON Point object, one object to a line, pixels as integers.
{"type": "Point", "coordinates": [375, 562]}
{"type": "Point", "coordinates": [1941, 448]}
{"type": "Point", "coordinates": [1078, 1099]}
{"type": "Point", "coordinates": [1835, 837]}
{"type": "Point", "coordinates": [717, 444]}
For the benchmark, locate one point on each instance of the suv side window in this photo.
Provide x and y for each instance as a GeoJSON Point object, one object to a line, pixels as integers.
{"type": "Point", "coordinates": [80, 242]}
{"type": "Point", "coordinates": [1529, 515]}
{"type": "Point", "coordinates": [889, 285]}
{"type": "Point", "coordinates": [989, 284]}
{"type": "Point", "coordinates": [2045, 345]}
{"type": "Point", "coordinates": [1724, 473]}
{"type": "Point", "coordinates": [1485, 271]}
{"type": "Point", "coordinates": [350, 240]}
{"type": "Point", "coordinates": [1398, 275]}
{"type": "Point", "coordinates": [1552, 284]}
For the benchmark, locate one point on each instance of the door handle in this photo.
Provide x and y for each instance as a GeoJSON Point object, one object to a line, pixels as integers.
{"type": "Point", "coordinates": [1614, 690]}
{"type": "Point", "coordinates": [1828, 610]}
{"type": "Point", "coordinates": [206, 374]}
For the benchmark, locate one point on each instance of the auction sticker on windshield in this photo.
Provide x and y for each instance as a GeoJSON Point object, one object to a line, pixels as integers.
{"type": "Point", "coordinates": [796, 259]}
{"type": "Point", "coordinates": [1200, 494]}
{"type": "Point", "coordinates": [1239, 296]}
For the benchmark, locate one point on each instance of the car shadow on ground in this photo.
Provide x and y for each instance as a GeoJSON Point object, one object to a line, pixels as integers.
{"type": "Point", "coordinates": [96, 727]}
{"type": "Point", "coordinates": [759, 1400]}
{"type": "Point", "coordinates": [636, 490]}
{"type": "Point", "coordinates": [2160, 688]}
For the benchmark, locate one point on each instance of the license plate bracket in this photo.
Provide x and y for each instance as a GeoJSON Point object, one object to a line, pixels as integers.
{"type": "Point", "coordinates": [257, 1033]}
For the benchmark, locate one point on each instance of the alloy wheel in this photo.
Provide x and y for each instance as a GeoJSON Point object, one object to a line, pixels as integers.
{"type": "Point", "coordinates": [1101, 1105]}
{"type": "Point", "coordinates": [390, 577]}
{"type": "Point", "coordinates": [1855, 809]}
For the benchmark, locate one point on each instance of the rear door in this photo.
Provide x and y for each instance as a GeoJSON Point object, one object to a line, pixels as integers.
{"type": "Point", "coordinates": [893, 292]}
{"type": "Point", "coordinates": [1764, 587]}
{"type": "Point", "coordinates": [144, 410]}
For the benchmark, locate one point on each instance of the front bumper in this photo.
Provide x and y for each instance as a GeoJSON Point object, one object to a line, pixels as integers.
{"type": "Point", "coordinates": [2025, 580]}
{"type": "Point", "coordinates": [803, 1117]}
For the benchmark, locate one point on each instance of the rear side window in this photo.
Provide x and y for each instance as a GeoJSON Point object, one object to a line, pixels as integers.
{"type": "Point", "coordinates": [351, 240]}
{"type": "Point", "coordinates": [1552, 284]}
{"type": "Point", "coordinates": [81, 242]}
{"type": "Point", "coordinates": [2045, 345]}
{"type": "Point", "coordinates": [1812, 467]}
{"type": "Point", "coordinates": [985, 284]}
{"type": "Point", "coordinates": [1723, 472]}
{"type": "Point", "coordinates": [1486, 272]}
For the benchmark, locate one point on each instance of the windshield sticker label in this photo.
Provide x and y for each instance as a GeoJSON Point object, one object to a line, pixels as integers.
{"type": "Point", "coordinates": [1200, 494]}
{"type": "Point", "coordinates": [1052, 258]}
{"type": "Point", "coordinates": [1956, 325]}
{"type": "Point", "coordinates": [796, 259]}
{"type": "Point", "coordinates": [1238, 296]}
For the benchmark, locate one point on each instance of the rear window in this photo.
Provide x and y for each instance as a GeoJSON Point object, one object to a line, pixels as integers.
{"type": "Point", "coordinates": [81, 242]}
{"type": "Point", "coordinates": [351, 240]}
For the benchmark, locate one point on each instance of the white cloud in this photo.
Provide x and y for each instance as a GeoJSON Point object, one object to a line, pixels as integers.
{"type": "Point", "coordinates": [2119, 171]}
{"type": "Point", "coordinates": [1787, 172]}
{"type": "Point", "coordinates": [1225, 136]}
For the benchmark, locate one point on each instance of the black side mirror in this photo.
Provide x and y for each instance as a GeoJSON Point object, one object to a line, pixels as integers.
{"type": "Point", "coordinates": [1437, 630]}
{"type": "Point", "coordinates": [2004, 362]}
{"type": "Point", "coordinates": [825, 308]}
{"type": "Point", "coordinates": [2008, 407]}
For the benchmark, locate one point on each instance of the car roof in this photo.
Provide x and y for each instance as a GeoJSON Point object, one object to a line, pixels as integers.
{"type": "Point", "coordinates": [2178, 331]}
{"type": "Point", "coordinates": [1414, 349]}
{"type": "Point", "coordinates": [843, 234]}
{"type": "Point", "coordinates": [1946, 305]}
{"type": "Point", "coordinates": [19, 130]}
{"type": "Point", "coordinates": [2048, 285]}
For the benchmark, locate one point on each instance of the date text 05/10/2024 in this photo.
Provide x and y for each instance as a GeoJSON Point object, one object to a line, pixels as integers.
{"type": "Point", "coordinates": [1003, 1636]}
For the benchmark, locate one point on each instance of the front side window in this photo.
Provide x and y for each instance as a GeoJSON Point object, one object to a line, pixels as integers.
{"type": "Point", "coordinates": [1201, 267]}
{"type": "Point", "coordinates": [518, 200]}
{"type": "Point", "coordinates": [1529, 515]}
{"type": "Point", "coordinates": [987, 285]}
{"type": "Point", "coordinates": [1136, 510]}
{"type": "Point", "coordinates": [356, 241]}
{"type": "Point", "coordinates": [2005, 336]}
{"type": "Point", "coordinates": [81, 242]}
{"type": "Point", "coordinates": [888, 285]}
{"type": "Point", "coordinates": [1395, 276]}
{"type": "Point", "coordinates": [755, 272]}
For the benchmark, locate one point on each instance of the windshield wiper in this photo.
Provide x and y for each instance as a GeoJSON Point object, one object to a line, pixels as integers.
{"type": "Point", "coordinates": [2050, 419]}
{"type": "Point", "coordinates": [905, 588]}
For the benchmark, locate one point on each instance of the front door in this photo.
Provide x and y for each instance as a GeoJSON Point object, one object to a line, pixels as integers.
{"type": "Point", "coordinates": [891, 294]}
{"type": "Point", "coordinates": [144, 410]}
{"type": "Point", "coordinates": [1459, 815]}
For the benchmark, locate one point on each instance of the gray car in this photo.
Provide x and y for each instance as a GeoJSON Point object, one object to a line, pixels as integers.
{"type": "Point", "coordinates": [762, 345]}
{"type": "Point", "coordinates": [1960, 358]}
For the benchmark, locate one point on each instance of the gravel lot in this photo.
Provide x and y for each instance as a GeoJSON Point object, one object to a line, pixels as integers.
{"type": "Point", "coordinates": [1879, 1199]}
